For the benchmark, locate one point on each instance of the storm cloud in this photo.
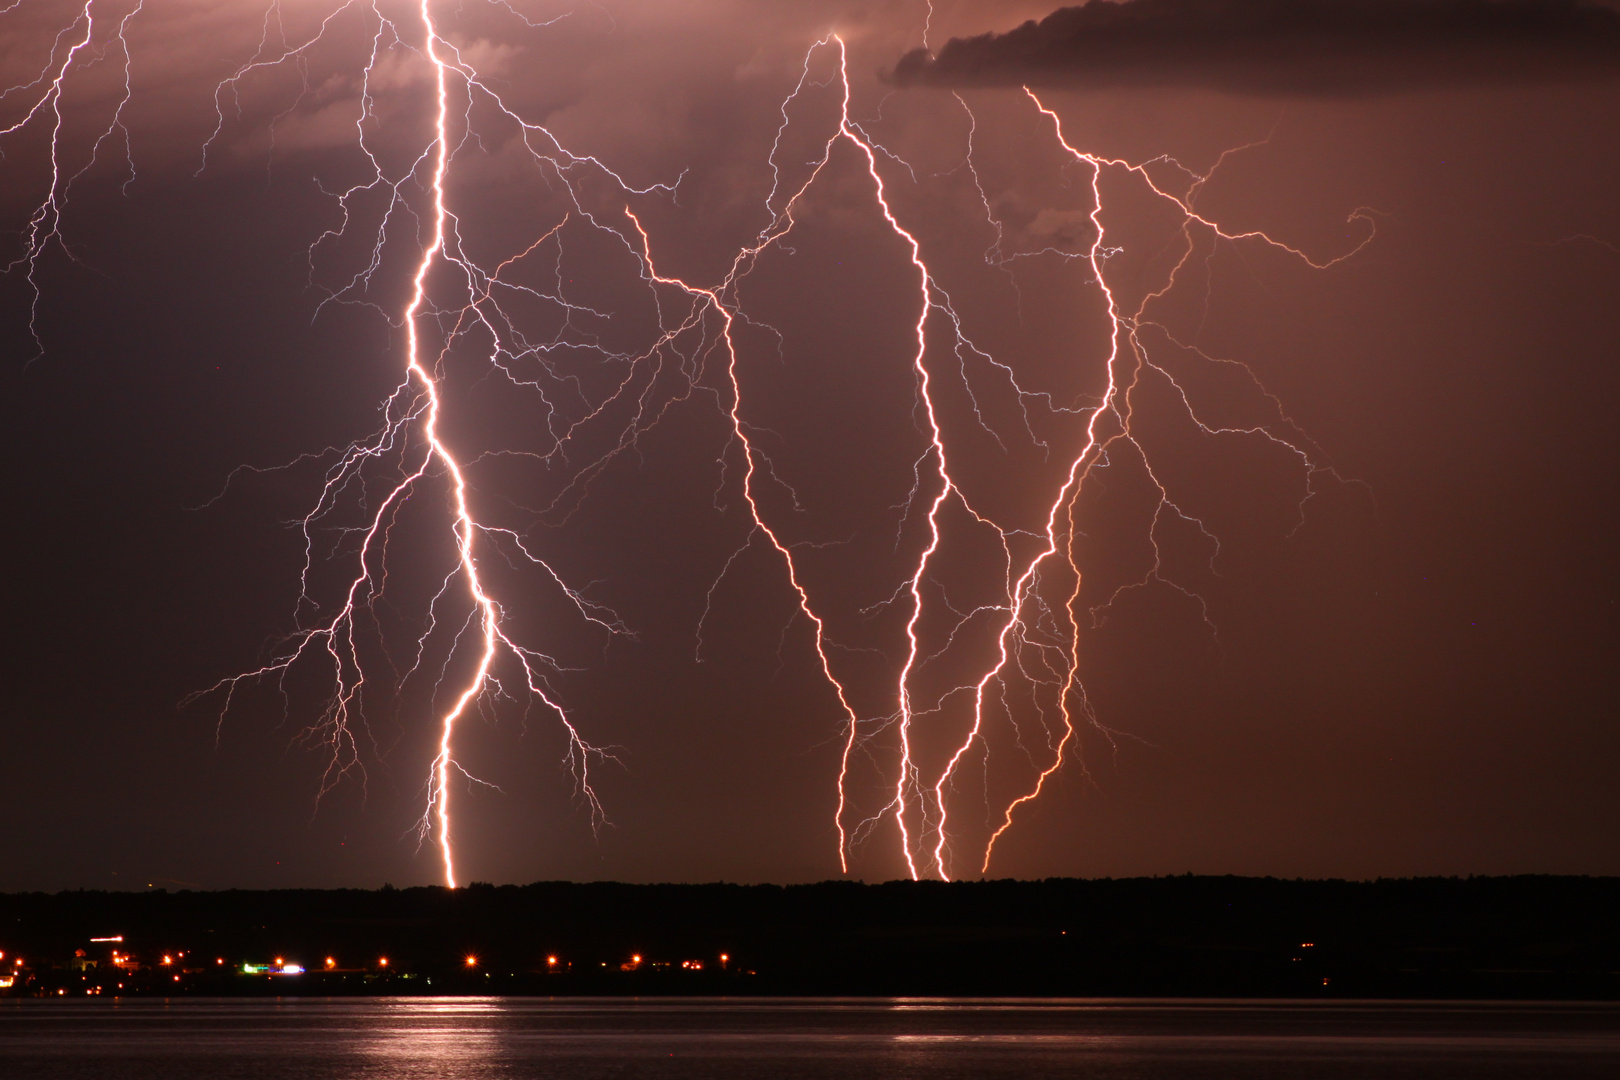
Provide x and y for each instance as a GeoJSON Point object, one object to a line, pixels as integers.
{"type": "Point", "coordinates": [1284, 47]}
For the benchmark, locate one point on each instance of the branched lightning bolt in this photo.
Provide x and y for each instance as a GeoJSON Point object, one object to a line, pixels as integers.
{"type": "Point", "coordinates": [1125, 330]}
{"type": "Point", "coordinates": [43, 98]}
{"type": "Point", "coordinates": [412, 441]}
{"type": "Point", "coordinates": [411, 447]}
{"type": "Point", "coordinates": [714, 299]}
{"type": "Point", "coordinates": [1035, 642]}
{"type": "Point", "coordinates": [453, 307]}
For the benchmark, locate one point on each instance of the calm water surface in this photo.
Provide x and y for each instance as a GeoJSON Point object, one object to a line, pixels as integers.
{"type": "Point", "coordinates": [780, 1039]}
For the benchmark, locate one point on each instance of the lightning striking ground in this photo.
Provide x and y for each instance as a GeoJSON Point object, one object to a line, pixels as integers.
{"type": "Point", "coordinates": [415, 410]}
{"type": "Point", "coordinates": [918, 808]}
{"type": "Point", "coordinates": [450, 316]}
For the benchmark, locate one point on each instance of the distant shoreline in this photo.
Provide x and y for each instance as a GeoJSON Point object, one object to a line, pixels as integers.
{"type": "Point", "coordinates": [1484, 938]}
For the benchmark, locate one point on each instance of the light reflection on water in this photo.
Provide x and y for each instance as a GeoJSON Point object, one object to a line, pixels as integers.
{"type": "Point", "coordinates": [437, 1037]}
{"type": "Point", "coordinates": [802, 1039]}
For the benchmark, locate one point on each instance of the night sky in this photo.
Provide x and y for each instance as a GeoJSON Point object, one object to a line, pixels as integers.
{"type": "Point", "coordinates": [1398, 661]}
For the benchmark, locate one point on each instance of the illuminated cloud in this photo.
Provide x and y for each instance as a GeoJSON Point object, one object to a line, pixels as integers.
{"type": "Point", "coordinates": [1284, 47]}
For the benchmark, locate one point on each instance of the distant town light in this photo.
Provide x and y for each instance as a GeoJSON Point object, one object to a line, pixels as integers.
{"type": "Point", "coordinates": [472, 961]}
{"type": "Point", "coordinates": [382, 961]}
{"type": "Point", "coordinates": [331, 962]}
{"type": "Point", "coordinates": [551, 960]}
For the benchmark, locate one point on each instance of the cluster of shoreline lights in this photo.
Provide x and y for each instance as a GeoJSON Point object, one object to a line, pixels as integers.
{"type": "Point", "coordinates": [282, 966]}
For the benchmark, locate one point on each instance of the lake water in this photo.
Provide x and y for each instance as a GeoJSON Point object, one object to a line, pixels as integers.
{"type": "Point", "coordinates": [799, 1039]}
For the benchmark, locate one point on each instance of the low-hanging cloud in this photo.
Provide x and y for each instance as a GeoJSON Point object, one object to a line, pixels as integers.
{"type": "Point", "coordinates": [1284, 47]}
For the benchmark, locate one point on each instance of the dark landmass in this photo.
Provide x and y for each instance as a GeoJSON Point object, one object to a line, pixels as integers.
{"type": "Point", "coordinates": [1502, 937]}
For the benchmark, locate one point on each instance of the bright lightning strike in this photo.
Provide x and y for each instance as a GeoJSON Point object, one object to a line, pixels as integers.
{"type": "Point", "coordinates": [73, 51]}
{"type": "Point", "coordinates": [457, 307]}
{"type": "Point", "coordinates": [1025, 646]}
{"type": "Point", "coordinates": [413, 434]}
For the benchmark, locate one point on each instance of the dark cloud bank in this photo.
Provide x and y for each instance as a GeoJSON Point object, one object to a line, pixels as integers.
{"type": "Point", "coordinates": [1316, 47]}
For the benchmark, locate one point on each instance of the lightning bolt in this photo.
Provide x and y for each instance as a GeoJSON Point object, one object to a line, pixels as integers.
{"type": "Point", "coordinates": [412, 437]}
{"type": "Point", "coordinates": [713, 299]}
{"type": "Point", "coordinates": [1116, 404]}
{"type": "Point", "coordinates": [43, 98]}
{"type": "Point", "coordinates": [920, 809]}
{"type": "Point", "coordinates": [454, 314]}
